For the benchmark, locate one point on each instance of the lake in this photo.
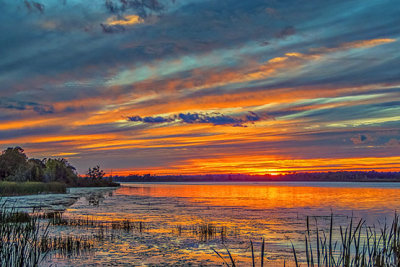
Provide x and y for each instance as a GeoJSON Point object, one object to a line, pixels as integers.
{"type": "Point", "coordinates": [181, 223]}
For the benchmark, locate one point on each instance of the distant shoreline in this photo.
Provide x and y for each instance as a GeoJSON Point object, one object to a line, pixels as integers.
{"type": "Point", "coordinates": [260, 181]}
{"type": "Point", "coordinates": [338, 176]}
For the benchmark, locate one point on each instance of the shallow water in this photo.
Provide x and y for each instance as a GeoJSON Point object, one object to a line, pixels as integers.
{"type": "Point", "coordinates": [171, 215]}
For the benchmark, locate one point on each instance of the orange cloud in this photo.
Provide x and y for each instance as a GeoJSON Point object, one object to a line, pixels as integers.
{"type": "Point", "coordinates": [262, 164]}
{"type": "Point", "coordinates": [355, 44]}
{"type": "Point", "coordinates": [127, 20]}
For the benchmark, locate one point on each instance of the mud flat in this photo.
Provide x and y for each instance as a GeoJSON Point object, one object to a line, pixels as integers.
{"type": "Point", "coordinates": [51, 202]}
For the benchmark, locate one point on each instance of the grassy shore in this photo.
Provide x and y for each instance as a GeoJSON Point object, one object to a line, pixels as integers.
{"type": "Point", "coordinates": [30, 188]}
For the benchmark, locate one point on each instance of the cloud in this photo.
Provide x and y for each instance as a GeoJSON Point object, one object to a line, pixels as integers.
{"type": "Point", "coordinates": [117, 24]}
{"type": "Point", "coordinates": [112, 28]}
{"type": "Point", "coordinates": [157, 119]}
{"type": "Point", "coordinates": [393, 143]}
{"type": "Point", "coordinates": [22, 105]}
{"type": "Point", "coordinates": [36, 5]}
{"type": "Point", "coordinates": [285, 32]}
{"type": "Point", "coordinates": [124, 20]}
{"type": "Point", "coordinates": [142, 7]}
{"type": "Point", "coordinates": [171, 65]}
{"type": "Point", "coordinates": [362, 139]}
{"type": "Point", "coordinates": [214, 118]}
{"type": "Point", "coordinates": [355, 44]}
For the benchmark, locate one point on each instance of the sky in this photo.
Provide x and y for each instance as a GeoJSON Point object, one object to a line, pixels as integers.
{"type": "Point", "coordinates": [203, 86]}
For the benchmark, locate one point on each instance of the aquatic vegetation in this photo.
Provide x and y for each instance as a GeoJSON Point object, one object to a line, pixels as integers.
{"type": "Point", "coordinates": [19, 240]}
{"type": "Point", "coordinates": [66, 246]}
{"type": "Point", "coordinates": [117, 232]}
{"type": "Point", "coordinates": [359, 245]}
{"type": "Point", "coordinates": [56, 218]}
{"type": "Point", "coordinates": [204, 231]}
{"type": "Point", "coordinates": [231, 261]}
{"type": "Point", "coordinates": [25, 240]}
{"type": "Point", "coordinates": [207, 231]}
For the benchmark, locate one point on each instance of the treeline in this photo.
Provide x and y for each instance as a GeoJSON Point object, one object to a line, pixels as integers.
{"type": "Point", "coordinates": [15, 166]}
{"type": "Point", "coordinates": [338, 176]}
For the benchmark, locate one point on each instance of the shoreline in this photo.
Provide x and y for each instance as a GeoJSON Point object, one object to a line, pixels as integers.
{"type": "Point", "coordinates": [278, 180]}
{"type": "Point", "coordinates": [333, 184]}
{"type": "Point", "coordinates": [50, 202]}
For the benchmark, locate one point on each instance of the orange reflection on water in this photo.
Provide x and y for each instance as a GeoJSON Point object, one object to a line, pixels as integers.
{"type": "Point", "coordinates": [275, 195]}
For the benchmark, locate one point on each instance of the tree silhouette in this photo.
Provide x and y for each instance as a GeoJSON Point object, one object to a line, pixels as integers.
{"type": "Point", "coordinates": [13, 163]}
{"type": "Point", "coordinates": [95, 173]}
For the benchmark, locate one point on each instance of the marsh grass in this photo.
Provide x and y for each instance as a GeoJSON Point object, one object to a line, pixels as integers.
{"type": "Point", "coordinates": [30, 188]}
{"type": "Point", "coordinates": [20, 237]}
{"type": "Point", "coordinates": [25, 240]}
{"type": "Point", "coordinates": [204, 231]}
{"type": "Point", "coordinates": [208, 231]}
{"type": "Point", "coordinates": [359, 245]}
{"type": "Point", "coordinates": [230, 261]}
{"type": "Point", "coordinates": [355, 245]}
{"type": "Point", "coordinates": [67, 246]}
{"type": "Point", "coordinates": [56, 218]}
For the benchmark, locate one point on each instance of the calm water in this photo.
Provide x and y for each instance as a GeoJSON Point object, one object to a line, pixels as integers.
{"type": "Point", "coordinates": [172, 215]}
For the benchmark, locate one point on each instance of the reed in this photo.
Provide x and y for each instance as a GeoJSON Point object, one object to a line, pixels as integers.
{"type": "Point", "coordinates": [66, 246]}
{"type": "Point", "coordinates": [30, 188]}
{"type": "Point", "coordinates": [204, 232]}
{"type": "Point", "coordinates": [56, 218]}
{"type": "Point", "coordinates": [25, 240]}
{"type": "Point", "coordinates": [359, 245]}
{"type": "Point", "coordinates": [230, 261]}
{"type": "Point", "coordinates": [20, 236]}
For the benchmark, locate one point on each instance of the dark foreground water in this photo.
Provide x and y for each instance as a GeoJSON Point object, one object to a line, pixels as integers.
{"type": "Point", "coordinates": [179, 224]}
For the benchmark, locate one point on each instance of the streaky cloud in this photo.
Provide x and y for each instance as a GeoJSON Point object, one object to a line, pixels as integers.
{"type": "Point", "coordinates": [214, 118]}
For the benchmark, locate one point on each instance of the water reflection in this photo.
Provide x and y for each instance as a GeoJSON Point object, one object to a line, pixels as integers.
{"type": "Point", "coordinates": [382, 199]}
{"type": "Point", "coordinates": [184, 221]}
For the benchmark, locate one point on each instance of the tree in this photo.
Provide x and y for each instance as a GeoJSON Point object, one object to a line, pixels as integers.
{"type": "Point", "coordinates": [59, 170]}
{"type": "Point", "coordinates": [95, 174]}
{"type": "Point", "coordinates": [13, 164]}
{"type": "Point", "coordinates": [35, 170]}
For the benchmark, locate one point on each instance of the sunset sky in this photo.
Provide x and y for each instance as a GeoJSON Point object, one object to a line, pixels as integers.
{"type": "Point", "coordinates": [203, 86]}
